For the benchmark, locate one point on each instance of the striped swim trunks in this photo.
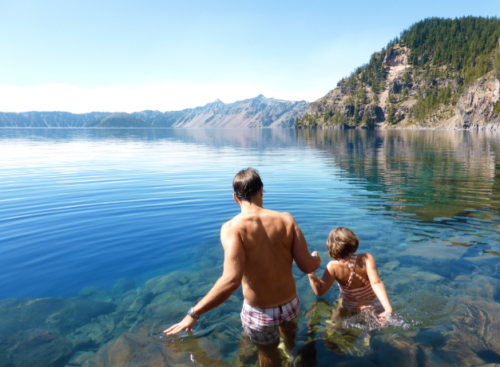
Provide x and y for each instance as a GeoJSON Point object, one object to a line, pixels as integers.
{"type": "Point", "coordinates": [262, 324]}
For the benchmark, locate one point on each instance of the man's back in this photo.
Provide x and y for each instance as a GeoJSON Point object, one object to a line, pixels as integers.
{"type": "Point", "coordinates": [259, 249]}
{"type": "Point", "coordinates": [267, 238]}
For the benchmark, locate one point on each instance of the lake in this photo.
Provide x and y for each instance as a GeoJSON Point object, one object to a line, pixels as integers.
{"type": "Point", "coordinates": [110, 235]}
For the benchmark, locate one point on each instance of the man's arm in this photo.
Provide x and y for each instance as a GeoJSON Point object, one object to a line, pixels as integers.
{"type": "Point", "coordinates": [306, 262]}
{"type": "Point", "coordinates": [226, 285]}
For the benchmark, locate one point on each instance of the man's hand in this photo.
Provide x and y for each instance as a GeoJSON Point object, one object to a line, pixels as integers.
{"type": "Point", "coordinates": [315, 254]}
{"type": "Point", "coordinates": [186, 324]}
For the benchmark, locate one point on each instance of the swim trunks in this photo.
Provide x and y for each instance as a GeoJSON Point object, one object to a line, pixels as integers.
{"type": "Point", "coordinates": [262, 324]}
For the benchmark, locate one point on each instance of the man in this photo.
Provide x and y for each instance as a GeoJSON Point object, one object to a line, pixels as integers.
{"type": "Point", "coordinates": [260, 246]}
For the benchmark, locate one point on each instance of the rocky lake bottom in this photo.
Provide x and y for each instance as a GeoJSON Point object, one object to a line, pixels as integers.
{"type": "Point", "coordinates": [431, 220]}
{"type": "Point", "coordinates": [446, 314]}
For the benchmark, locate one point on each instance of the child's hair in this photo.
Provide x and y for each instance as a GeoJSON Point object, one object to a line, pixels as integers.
{"type": "Point", "coordinates": [341, 243]}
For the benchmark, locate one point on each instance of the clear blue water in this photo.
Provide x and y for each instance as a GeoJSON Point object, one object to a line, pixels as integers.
{"type": "Point", "coordinates": [85, 208]}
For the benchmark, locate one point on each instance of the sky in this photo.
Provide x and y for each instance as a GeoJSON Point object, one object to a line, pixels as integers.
{"type": "Point", "coordinates": [126, 56]}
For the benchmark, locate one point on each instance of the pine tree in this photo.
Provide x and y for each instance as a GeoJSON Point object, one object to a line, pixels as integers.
{"type": "Point", "coordinates": [390, 115]}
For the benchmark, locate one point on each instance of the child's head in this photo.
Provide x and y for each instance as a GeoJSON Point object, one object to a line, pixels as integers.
{"type": "Point", "coordinates": [341, 243]}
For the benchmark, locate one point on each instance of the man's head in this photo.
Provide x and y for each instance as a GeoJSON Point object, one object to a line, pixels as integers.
{"type": "Point", "coordinates": [341, 243]}
{"type": "Point", "coordinates": [247, 184]}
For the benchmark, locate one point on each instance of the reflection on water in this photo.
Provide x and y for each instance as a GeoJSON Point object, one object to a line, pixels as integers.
{"type": "Point", "coordinates": [124, 225]}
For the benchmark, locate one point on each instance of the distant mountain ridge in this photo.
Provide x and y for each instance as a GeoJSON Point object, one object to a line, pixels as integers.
{"type": "Point", "coordinates": [119, 120]}
{"type": "Point", "coordinates": [255, 112]}
{"type": "Point", "coordinates": [441, 73]}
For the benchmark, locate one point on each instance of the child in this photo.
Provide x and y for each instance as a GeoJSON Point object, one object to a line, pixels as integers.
{"type": "Point", "coordinates": [356, 275]}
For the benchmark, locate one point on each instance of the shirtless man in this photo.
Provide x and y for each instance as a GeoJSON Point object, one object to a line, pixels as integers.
{"type": "Point", "coordinates": [260, 246]}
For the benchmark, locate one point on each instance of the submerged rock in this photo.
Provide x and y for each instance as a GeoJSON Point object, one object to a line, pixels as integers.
{"type": "Point", "coordinates": [35, 348]}
{"type": "Point", "coordinates": [194, 292]}
{"type": "Point", "coordinates": [428, 276]}
{"type": "Point", "coordinates": [97, 294]}
{"type": "Point", "coordinates": [100, 330]}
{"type": "Point", "coordinates": [131, 303]}
{"type": "Point", "coordinates": [57, 314]}
{"type": "Point", "coordinates": [441, 250]}
{"type": "Point", "coordinates": [169, 311]}
{"type": "Point", "coordinates": [391, 265]}
{"type": "Point", "coordinates": [320, 309]}
{"type": "Point", "coordinates": [130, 350]}
{"type": "Point", "coordinates": [481, 286]}
{"type": "Point", "coordinates": [80, 357]}
{"type": "Point", "coordinates": [478, 326]}
{"type": "Point", "coordinates": [122, 286]}
{"type": "Point", "coordinates": [162, 283]}
{"type": "Point", "coordinates": [452, 354]}
{"type": "Point", "coordinates": [395, 351]}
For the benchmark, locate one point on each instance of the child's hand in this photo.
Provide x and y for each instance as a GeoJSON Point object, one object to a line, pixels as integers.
{"type": "Point", "coordinates": [384, 316]}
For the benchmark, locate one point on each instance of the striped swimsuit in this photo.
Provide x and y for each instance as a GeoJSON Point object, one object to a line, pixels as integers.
{"type": "Point", "coordinates": [359, 298]}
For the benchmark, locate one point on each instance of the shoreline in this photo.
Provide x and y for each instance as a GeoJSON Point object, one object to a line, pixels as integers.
{"type": "Point", "coordinates": [440, 128]}
{"type": "Point", "coordinates": [474, 128]}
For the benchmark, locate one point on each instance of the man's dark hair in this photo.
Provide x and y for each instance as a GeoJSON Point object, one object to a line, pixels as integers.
{"type": "Point", "coordinates": [247, 183]}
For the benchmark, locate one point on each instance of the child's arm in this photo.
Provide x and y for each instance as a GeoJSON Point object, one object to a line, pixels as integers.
{"type": "Point", "coordinates": [377, 285]}
{"type": "Point", "coordinates": [320, 287]}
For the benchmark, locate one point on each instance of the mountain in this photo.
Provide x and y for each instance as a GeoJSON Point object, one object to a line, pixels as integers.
{"type": "Point", "coordinates": [441, 73]}
{"type": "Point", "coordinates": [49, 119]}
{"type": "Point", "coordinates": [254, 112]}
{"type": "Point", "coordinates": [119, 120]}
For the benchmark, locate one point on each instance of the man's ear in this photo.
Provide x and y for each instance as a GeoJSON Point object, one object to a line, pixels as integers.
{"type": "Point", "coordinates": [235, 198]}
{"type": "Point", "coordinates": [262, 191]}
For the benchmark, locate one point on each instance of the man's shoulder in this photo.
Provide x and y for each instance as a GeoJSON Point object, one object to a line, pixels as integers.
{"type": "Point", "coordinates": [287, 217]}
{"type": "Point", "coordinates": [232, 223]}
{"type": "Point", "coordinates": [242, 221]}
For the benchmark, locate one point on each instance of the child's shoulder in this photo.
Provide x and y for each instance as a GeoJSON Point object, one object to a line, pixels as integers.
{"type": "Point", "coordinates": [365, 257]}
{"type": "Point", "coordinates": [332, 264]}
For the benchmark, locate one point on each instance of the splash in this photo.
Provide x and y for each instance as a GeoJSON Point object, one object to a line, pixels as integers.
{"type": "Point", "coordinates": [368, 320]}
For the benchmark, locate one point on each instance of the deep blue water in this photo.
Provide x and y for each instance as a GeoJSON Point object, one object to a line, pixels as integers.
{"type": "Point", "coordinates": [82, 207]}
{"type": "Point", "coordinates": [85, 208]}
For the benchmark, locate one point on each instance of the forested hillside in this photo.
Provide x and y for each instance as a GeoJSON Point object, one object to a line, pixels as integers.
{"type": "Point", "coordinates": [439, 72]}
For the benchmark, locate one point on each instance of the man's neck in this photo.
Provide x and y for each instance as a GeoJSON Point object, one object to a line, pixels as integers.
{"type": "Point", "coordinates": [250, 206]}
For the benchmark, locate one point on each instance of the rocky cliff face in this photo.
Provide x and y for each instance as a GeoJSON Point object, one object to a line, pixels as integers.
{"type": "Point", "coordinates": [440, 74]}
{"type": "Point", "coordinates": [255, 112]}
{"type": "Point", "coordinates": [476, 106]}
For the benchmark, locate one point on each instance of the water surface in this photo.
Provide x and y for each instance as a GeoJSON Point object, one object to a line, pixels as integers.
{"type": "Point", "coordinates": [118, 231]}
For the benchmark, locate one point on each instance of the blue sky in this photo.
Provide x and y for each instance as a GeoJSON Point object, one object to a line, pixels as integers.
{"type": "Point", "coordinates": [124, 55]}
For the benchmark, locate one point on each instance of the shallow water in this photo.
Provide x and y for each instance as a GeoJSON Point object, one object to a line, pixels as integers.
{"type": "Point", "coordinates": [124, 225]}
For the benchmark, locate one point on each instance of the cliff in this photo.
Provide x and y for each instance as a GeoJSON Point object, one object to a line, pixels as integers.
{"type": "Point", "coordinates": [440, 73]}
{"type": "Point", "coordinates": [254, 112]}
